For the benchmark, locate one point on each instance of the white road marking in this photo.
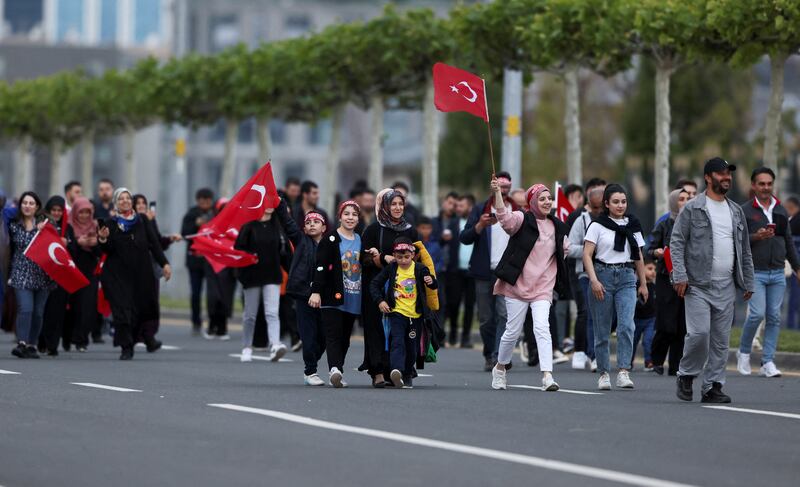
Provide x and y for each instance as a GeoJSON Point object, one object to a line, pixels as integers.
{"type": "Point", "coordinates": [568, 391]}
{"type": "Point", "coordinates": [261, 357]}
{"type": "Point", "coordinates": [101, 386]}
{"type": "Point", "coordinates": [756, 411]}
{"type": "Point", "coordinates": [163, 347]}
{"type": "Point", "coordinates": [424, 375]}
{"type": "Point", "coordinates": [546, 463]}
{"type": "Point", "coordinates": [9, 372]}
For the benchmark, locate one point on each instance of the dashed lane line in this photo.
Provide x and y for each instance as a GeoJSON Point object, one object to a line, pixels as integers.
{"type": "Point", "coordinates": [505, 456]}
{"type": "Point", "coordinates": [105, 387]}
{"type": "Point", "coordinates": [568, 391]}
{"type": "Point", "coordinates": [756, 411]}
{"type": "Point", "coordinates": [9, 372]}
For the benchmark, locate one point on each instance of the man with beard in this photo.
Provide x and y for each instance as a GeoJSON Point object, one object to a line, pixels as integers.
{"type": "Point", "coordinates": [711, 258]}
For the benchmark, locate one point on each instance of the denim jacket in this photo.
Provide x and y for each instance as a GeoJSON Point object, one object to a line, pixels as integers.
{"type": "Point", "coordinates": [692, 249]}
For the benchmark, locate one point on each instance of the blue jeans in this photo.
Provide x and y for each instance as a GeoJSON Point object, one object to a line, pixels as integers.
{"type": "Point", "coordinates": [587, 293]}
{"type": "Point", "coordinates": [645, 329]}
{"type": "Point", "coordinates": [793, 314]}
{"type": "Point", "coordinates": [403, 336]}
{"type": "Point", "coordinates": [620, 296]}
{"type": "Point", "coordinates": [765, 304]}
{"type": "Point", "coordinates": [30, 312]}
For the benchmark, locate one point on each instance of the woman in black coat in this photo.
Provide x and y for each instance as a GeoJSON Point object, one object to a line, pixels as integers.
{"type": "Point", "coordinates": [670, 312]}
{"type": "Point", "coordinates": [128, 279]}
{"type": "Point", "coordinates": [85, 253]}
{"type": "Point", "coordinates": [377, 241]}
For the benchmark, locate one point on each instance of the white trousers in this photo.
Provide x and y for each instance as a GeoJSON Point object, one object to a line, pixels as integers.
{"type": "Point", "coordinates": [517, 310]}
{"type": "Point", "coordinates": [271, 294]}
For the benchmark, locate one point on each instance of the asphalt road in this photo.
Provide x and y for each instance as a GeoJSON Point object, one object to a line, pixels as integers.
{"type": "Point", "coordinates": [196, 416]}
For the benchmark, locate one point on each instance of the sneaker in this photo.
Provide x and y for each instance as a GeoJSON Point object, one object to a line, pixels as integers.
{"type": "Point", "coordinates": [127, 354]}
{"type": "Point", "coordinates": [208, 336]}
{"type": "Point", "coordinates": [624, 380]}
{"type": "Point", "coordinates": [247, 355]}
{"type": "Point", "coordinates": [604, 382]}
{"type": "Point", "coordinates": [499, 380]}
{"type": "Point", "coordinates": [559, 357]}
{"type": "Point", "coordinates": [407, 383]}
{"type": "Point", "coordinates": [397, 378]}
{"type": "Point", "coordinates": [297, 346]}
{"type": "Point", "coordinates": [743, 363]}
{"type": "Point", "coordinates": [579, 360]}
{"type": "Point", "coordinates": [81, 349]}
{"type": "Point", "coordinates": [549, 384]}
{"type": "Point", "coordinates": [648, 366]}
{"type": "Point", "coordinates": [568, 345]}
{"type": "Point", "coordinates": [593, 365]}
{"type": "Point", "coordinates": [769, 370]}
{"type": "Point", "coordinates": [224, 337]}
{"type": "Point", "coordinates": [658, 369]}
{"type": "Point", "coordinates": [715, 395]}
{"type": "Point", "coordinates": [31, 352]}
{"type": "Point", "coordinates": [684, 391]}
{"type": "Point", "coordinates": [19, 351]}
{"type": "Point", "coordinates": [313, 380]}
{"type": "Point", "coordinates": [523, 351]}
{"type": "Point", "coordinates": [336, 377]}
{"type": "Point", "coordinates": [277, 352]}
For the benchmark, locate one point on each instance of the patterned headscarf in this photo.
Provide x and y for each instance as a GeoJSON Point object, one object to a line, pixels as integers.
{"type": "Point", "coordinates": [532, 196]}
{"type": "Point", "coordinates": [384, 216]}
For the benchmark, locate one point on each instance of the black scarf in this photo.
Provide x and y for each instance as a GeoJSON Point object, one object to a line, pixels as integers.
{"type": "Point", "coordinates": [623, 233]}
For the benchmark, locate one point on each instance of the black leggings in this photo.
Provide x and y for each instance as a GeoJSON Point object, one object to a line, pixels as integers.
{"type": "Point", "coordinates": [338, 326]}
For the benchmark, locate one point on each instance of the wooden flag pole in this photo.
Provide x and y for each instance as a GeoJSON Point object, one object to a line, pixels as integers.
{"type": "Point", "coordinates": [491, 150]}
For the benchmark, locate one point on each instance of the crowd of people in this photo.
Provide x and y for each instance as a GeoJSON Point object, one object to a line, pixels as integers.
{"type": "Point", "coordinates": [412, 282]}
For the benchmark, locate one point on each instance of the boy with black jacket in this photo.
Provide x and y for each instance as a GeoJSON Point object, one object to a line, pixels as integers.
{"type": "Point", "coordinates": [405, 305]}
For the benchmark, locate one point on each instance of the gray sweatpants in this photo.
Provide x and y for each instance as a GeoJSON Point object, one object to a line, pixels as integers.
{"type": "Point", "coordinates": [709, 317]}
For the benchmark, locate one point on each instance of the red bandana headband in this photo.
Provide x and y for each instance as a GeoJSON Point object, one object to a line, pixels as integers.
{"type": "Point", "coordinates": [345, 204]}
{"type": "Point", "coordinates": [403, 247]}
{"type": "Point", "coordinates": [313, 215]}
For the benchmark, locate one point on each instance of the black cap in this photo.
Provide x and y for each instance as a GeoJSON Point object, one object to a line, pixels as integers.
{"type": "Point", "coordinates": [717, 164]}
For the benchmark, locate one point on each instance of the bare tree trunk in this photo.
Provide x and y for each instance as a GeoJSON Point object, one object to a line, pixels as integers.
{"type": "Point", "coordinates": [87, 161]}
{"type": "Point", "coordinates": [376, 144]}
{"type": "Point", "coordinates": [264, 139]}
{"type": "Point", "coordinates": [23, 167]}
{"type": "Point", "coordinates": [663, 119]}
{"type": "Point", "coordinates": [430, 158]}
{"type": "Point", "coordinates": [772, 131]}
{"type": "Point", "coordinates": [332, 163]}
{"type": "Point", "coordinates": [229, 159]}
{"type": "Point", "coordinates": [572, 126]}
{"type": "Point", "coordinates": [130, 170]}
{"type": "Point", "coordinates": [56, 147]}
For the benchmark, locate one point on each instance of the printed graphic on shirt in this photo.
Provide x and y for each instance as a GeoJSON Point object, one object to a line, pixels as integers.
{"type": "Point", "coordinates": [406, 289]}
{"type": "Point", "coordinates": [351, 271]}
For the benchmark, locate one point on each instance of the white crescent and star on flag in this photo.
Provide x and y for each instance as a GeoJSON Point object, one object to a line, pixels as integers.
{"type": "Point", "coordinates": [261, 190]}
{"type": "Point", "coordinates": [51, 251]}
{"type": "Point", "coordinates": [471, 99]}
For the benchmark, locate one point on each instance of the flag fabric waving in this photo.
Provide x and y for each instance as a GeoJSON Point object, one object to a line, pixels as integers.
{"type": "Point", "coordinates": [248, 204]}
{"type": "Point", "coordinates": [563, 206]}
{"type": "Point", "coordinates": [219, 252]}
{"type": "Point", "coordinates": [456, 90]}
{"type": "Point", "coordinates": [47, 250]}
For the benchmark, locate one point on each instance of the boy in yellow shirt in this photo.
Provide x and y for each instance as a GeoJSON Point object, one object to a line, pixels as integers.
{"type": "Point", "coordinates": [405, 305]}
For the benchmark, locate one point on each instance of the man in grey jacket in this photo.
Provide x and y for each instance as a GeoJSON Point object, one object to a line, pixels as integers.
{"type": "Point", "coordinates": [710, 250]}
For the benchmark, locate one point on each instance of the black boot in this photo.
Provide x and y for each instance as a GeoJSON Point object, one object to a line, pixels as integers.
{"type": "Point", "coordinates": [715, 395]}
{"type": "Point", "coordinates": [153, 345]}
{"type": "Point", "coordinates": [684, 392]}
{"type": "Point", "coordinates": [127, 354]}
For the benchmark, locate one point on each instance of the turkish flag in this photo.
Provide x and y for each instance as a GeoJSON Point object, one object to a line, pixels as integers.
{"type": "Point", "coordinates": [50, 254]}
{"type": "Point", "coordinates": [248, 204]}
{"type": "Point", "coordinates": [668, 259]}
{"type": "Point", "coordinates": [563, 206]}
{"type": "Point", "coordinates": [219, 252]}
{"type": "Point", "coordinates": [456, 90]}
{"type": "Point", "coordinates": [103, 306]}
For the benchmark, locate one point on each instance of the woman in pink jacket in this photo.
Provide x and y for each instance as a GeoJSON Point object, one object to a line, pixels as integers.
{"type": "Point", "coordinates": [532, 267]}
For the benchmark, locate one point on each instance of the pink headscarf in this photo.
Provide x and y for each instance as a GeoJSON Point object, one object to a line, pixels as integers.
{"type": "Point", "coordinates": [85, 229]}
{"type": "Point", "coordinates": [532, 196]}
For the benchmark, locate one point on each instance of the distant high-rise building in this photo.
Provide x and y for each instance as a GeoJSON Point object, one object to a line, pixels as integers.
{"type": "Point", "coordinates": [22, 16]}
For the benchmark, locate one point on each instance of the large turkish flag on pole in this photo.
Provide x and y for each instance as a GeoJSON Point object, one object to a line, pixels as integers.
{"type": "Point", "coordinates": [456, 90]}
{"type": "Point", "coordinates": [50, 254]}
{"type": "Point", "coordinates": [248, 204]}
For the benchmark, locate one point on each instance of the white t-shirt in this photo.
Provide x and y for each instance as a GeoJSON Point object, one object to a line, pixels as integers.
{"type": "Point", "coordinates": [499, 243]}
{"type": "Point", "coordinates": [603, 238]}
{"type": "Point", "coordinates": [722, 228]}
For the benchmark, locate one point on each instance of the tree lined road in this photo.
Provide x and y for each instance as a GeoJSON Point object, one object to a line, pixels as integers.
{"type": "Point", "coordinates": [194, 415]}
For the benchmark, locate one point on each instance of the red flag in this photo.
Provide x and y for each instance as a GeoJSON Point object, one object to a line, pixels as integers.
{"type": "Point", "coordinates": [668, 259]}
{"type": "Point", "coordinates": [49, 253]}
{"type": "Point", "coordinates": [248, 204]}
{"type": "Point", "coordinates": [563, 206]}
{"type": "Point", "coordinates": [456, 90]}
{"type": "Point", "coordinates": [219, 252]}
{"type": "Point", "coordinates": [103, 306]}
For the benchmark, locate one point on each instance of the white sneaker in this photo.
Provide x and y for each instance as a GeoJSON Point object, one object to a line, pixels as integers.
{"type": "Point", "coordinates": [499, 380]}
{"type": "Point", "coordinates": [313, 380]}
{"type": "Point", "coordinates": [579, 360]}
{"type": "Point", "coordinates": [523, 352]}
{"type": "Point", "coordinates": [624, 380]}
{"type": "Point", "coordinates": [277, 352]}
{"type": "Point", "coordinates": [769, 370]}
{"type": "Point", "coordinates": [549, 384]}
{"type": "Point", "coordinates": [604, 382]}
{"type": "Point", "coordinates": [207, 335]}
{"type": "Point", "coordinates": [593, 365]}
{"type": "Point", "coordinates": [247, 355]}
{"type": "Point", "coordinates": [336, 377]}
{"type": "Point", "coordinates": [743, 363]}
{"type": "Point", "coordinates": [559, 357]}
{"type": "Point", "coordinates": [397, 378]}
{"type": "Point", "coordinates": [224, 337]}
